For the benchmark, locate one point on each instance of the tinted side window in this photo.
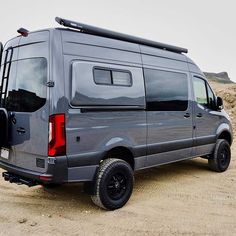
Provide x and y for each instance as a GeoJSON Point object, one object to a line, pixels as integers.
{"type": "Point", "coordinates": [121, 78]}
{"type": "Point", "coordinates": [112, 77]}
{"type": "Point", "coordinates": [200, 91]}
{"type": "Point", "coordinates": [27, 91]}
{"type": "Point", "coordinates": [102, 76]}
{"type": "Point", "coordinates": [166, 91]}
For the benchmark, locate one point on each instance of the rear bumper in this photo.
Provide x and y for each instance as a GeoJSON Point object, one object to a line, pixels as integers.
{"type": "Point", "coordinates": [58, 172]}
{"type": "Point", "coordinates": [36, 176]}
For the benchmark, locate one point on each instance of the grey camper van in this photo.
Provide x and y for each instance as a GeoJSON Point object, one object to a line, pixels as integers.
{"type": "Point", "coordinates": [85, 104]}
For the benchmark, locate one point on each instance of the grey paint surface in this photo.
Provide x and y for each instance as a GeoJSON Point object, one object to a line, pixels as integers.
{"type": "Point", "coordinates": [153, 138]}
{"type": "Point", "coordinates": [33, 143]}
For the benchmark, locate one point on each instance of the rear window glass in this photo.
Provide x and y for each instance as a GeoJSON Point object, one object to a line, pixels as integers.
{"type": "Point", "coordinates": [27, 85]}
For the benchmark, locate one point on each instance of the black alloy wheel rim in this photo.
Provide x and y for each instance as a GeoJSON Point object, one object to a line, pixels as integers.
{"type": "Point", "coordinates": [117, 186]}
{"type": "Point", "coordinates": [224, 156]}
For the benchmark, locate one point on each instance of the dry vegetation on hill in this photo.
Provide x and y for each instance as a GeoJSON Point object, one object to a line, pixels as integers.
{"type": "Point", "coordinates": [228, 93]}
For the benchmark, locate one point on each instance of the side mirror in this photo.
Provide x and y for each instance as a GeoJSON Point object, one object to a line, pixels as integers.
{"type": "Point", "coordinates": [219, 103]}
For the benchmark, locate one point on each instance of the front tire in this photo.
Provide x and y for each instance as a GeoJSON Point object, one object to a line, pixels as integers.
{"type": "Point", "coordinates": [113, 184]}
{"type": "Point", "coordinates": [219, 161]}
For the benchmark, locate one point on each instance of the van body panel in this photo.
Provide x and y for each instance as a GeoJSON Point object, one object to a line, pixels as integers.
{"type": "Point", "coordinates": [86, 39]}
{"type": "Point", "coordinates": [94, 50]}
{"type": "Point", "coordinates": [161, 62]}
{"type": "Point", "coordinates": [145, 50]}
{"type": "Point", "coordinates": [58, 97]}
{"type": "Point", "coordinates": [97, 52]}
{"type": "Point", "coordinates": [167, 157]}
{"type": "Point", "coordinates": [225, 127]}
{"type": "Point", "coordinates": [96, 134]}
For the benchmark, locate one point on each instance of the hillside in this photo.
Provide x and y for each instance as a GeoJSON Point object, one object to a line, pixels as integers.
{"type": "Point", "coordinates": [228, 93]}
{"type": "Point", "coordinates": [221, 77]}
{"type": "Point", "coordinates": [224, 87]}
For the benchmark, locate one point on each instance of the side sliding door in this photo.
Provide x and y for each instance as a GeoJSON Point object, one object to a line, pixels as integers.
{"type": "Point", "coordinates": [169, 116]}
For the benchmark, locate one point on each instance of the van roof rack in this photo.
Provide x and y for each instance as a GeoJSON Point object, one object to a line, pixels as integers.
{"type": "Point", "coordinates": [115, 35]}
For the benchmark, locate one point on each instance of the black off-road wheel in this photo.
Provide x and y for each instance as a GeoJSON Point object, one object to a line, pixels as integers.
{"type": "Point", "coordinates": [113, 185]}
{"type": "Point", "coordinates": [219, 161]}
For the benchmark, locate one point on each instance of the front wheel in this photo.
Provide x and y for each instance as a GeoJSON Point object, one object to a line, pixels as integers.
{"type": "Point", "coordinates": [113, 184]}
{"type": "Point", "coordinates": [219, 161]}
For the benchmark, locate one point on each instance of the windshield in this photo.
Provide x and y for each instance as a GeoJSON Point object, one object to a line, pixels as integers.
{"type": "Point", "coordinates": [27, 85]}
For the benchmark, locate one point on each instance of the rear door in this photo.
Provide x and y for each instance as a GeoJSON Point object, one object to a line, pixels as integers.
{"type": "Point", "coordinates": [27, 100]}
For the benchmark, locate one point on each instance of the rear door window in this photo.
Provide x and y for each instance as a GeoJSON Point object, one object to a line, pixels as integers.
{"type": "Point", "coordinates": [27, 88]}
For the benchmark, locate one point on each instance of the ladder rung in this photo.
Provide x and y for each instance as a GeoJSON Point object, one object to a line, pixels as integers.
{"type": "Point", "coordinates": [5, 76]}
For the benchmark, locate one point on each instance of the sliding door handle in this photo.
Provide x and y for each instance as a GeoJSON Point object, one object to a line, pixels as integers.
{"type": "Point", "coordinates": [20, 130]}
{"type": "Point", "coordinates": [187, 115]}
{"type": "Point", "coordinates": [199, 115]}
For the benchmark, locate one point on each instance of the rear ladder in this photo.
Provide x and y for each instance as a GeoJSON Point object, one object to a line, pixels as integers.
{"type": "Point", "coordinates": [5, 76]}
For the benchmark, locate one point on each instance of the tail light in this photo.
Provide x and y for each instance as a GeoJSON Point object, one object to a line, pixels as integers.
{"type": "Point", "coordinates": [57, 136]}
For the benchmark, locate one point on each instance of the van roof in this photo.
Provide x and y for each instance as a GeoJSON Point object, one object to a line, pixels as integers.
{"type": "Point", "coordinates": [96, 31]}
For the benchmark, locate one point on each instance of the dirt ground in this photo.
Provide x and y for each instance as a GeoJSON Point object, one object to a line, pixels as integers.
{"type": "Point", "coordinates": [185, 198]}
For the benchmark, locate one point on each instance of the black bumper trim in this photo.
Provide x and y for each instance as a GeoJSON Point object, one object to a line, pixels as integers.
{"type": "Point", "coordinates": [21, 171]}
{"type": "Point", "coordinates": [57, 173]}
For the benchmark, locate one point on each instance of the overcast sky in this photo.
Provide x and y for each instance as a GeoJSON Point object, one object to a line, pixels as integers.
{"type": "Point", "coordinates": [206, 27]}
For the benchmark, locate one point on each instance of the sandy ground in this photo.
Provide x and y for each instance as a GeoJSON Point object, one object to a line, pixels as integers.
{"type": "Point", "coordinates": [185, 198]}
